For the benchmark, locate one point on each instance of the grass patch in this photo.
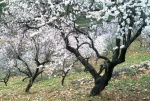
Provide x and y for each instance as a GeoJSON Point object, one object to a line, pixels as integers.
{"type": "Point", "coordinates": [129, 88]}
{"type": "Point", "coordinates": [51, 90]}
{"type": "Point", "coordinates": [135, 55]}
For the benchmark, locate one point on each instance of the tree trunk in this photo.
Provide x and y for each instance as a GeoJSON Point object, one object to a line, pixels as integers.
{"type": "Point", "coordinates": [101, 82]}
{"type": "Point", "coordinates": [32, 79]}
{"type": "Point", "coordinates": [29, 85]}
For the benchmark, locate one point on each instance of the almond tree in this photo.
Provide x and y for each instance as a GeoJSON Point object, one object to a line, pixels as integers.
{"type": "Point", "coordinates": [28, 43]}
{"type": "Point", "coordinates": [27, 50]}
{"type": "Point", "coordinates": [129, 15]}
{"type": "Point", "coordinates": [30, 56]}
{"type": "Point", "coordinates": [5, 64]}
{"type": "Point", "coordinates": [65, 16]}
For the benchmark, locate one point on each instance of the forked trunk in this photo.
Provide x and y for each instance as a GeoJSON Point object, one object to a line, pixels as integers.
{"type": "Point", "coordinates": [101, 82]}
{"type": "Point", "coordinates": [32, 79]}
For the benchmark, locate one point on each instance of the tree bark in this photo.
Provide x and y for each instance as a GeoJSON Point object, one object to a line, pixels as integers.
{"type": "Point", "coordinates": [29, 85]}
{"type": "Point", "coordinates": [32, 79]}
{"type": "Point", "coordinates": [102, 81]}
{"type": "Point", "coordinates": [118, 57]}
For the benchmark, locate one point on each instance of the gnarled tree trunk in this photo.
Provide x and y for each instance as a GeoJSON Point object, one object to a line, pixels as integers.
{"type": "Point", "coordinates": [118, 57]}
{"type": "Point", "coordinates": [101, 82]}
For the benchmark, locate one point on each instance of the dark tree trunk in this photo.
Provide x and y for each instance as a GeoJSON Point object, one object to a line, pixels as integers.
{"type": "Point", "coordinates": [6, 78]}
{"type": "Point", "coordinates": [32, 79]}
{"type": "Point", "coordinates": [29, 85]}
{"type": "Point", "coordinates": [101, 82]}
{"type": "Point", "coordinates": [118, 57]}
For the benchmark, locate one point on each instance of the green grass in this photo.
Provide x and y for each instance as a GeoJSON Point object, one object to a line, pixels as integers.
{"type": "Point", "coordinates": [51, 89]}
{"type": "Point", "coordinates": [135, 54]}
{"type": "Point", "coordinates": [124, 88]}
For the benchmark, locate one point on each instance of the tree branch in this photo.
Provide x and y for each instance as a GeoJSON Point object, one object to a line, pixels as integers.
{"type": "Point", "coordinates": [95, 50]}
{"type": "Point", "coordinates": [79, 57]}
{"type": "Point", "coordinates": [116, 52]}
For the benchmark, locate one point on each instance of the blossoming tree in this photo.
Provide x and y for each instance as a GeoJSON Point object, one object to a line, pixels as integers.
{"type": "Point", "coordinates": [129, 14]}
{"type": "Point", "coordinates": [29, 44]}
{"type": "Point", "coordinates": [79, 35]}
{"type": "Point", "coordinates": [30, 55]}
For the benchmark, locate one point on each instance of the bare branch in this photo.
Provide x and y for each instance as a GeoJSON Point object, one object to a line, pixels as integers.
{"type": "Point", "coordinates": [79, 57]}
{"type": "Point", "coordinates": [25, 78]}
{"type": "Point", "coordinates": [65, 72]}
{"type": "Point", "coordinates": [83, 44]}
{"type": "Point", "coordinates": [63, 76]}
{"type": "Point", "coordinates": [6, 78]}
{"type": "Point", "coordinates": [93, 47]}
{"type": "Point", "coordinates": [24, 72]}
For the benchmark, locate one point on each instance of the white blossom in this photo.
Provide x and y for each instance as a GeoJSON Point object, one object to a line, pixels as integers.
{"type": "Point", "coordinates": [115, 48]}
{"type": "Point", "coordinates": [122, 46]}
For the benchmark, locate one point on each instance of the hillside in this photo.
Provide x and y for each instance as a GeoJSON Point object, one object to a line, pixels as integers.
{"type": "Point", "coordinates": [131, 85]}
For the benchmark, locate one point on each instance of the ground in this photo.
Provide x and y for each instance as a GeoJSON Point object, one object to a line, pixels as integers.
{"type": "Point", "coordinates": [122, 88]}
{"type": "Point", "coordinates": [131, 86]}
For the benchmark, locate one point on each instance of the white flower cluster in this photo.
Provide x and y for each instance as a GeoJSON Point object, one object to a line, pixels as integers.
{"type": "Point", "coordinates": [42, 15]}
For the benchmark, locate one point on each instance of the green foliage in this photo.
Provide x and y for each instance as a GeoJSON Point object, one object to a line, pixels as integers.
{"type": "Point", "coordinates": [83, 21]}
{"type": "Point", "coordinates": [2, 5]}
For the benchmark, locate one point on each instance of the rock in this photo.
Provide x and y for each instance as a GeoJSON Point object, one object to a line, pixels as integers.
{"type": "Point", "coordinates": [133, 69]}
